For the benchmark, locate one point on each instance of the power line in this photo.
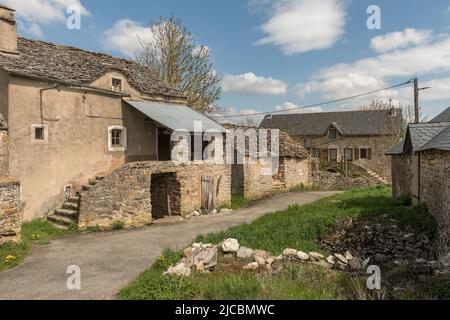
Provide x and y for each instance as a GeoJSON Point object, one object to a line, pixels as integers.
{"type": "Point", "coordinates": [317, 104]}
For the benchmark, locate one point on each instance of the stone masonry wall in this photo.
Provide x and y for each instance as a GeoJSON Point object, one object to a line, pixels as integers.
{"type": "Point", "coordinates": [257, 183]}
{"type": "Point", "coordinates": [295, 172]}
{"type": "Point", "coordinates": [379, 163]}
{"type": "Point", "coordinates": [4, 154]}
{"type": "Point", "coordinates": [401, 175]}
{"type": "Point", "coordinates": [125, 194]}
{"type": "Point", "coordinates": [435, 192]}
{"type": "Point", "coordinates": [10, 211]}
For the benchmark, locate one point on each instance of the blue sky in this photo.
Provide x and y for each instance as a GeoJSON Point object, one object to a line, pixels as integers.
{"type": "Point", "coordinates": [277, 55]}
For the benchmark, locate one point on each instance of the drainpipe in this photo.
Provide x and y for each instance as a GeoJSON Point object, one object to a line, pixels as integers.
{"type": "Point", "coordinates": [41, 91]}
{"type": "Point", "coordinates": [419, 173]}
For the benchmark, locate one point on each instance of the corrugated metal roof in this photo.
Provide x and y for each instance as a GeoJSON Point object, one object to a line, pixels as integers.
{"type": "Point", "coordinates": [175, 117]}
{"type": "Point", "coordinates": [439, 142]}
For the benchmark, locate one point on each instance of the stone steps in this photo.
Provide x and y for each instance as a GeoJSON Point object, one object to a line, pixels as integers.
{"type": "Point", "coordinates": [278, 185]}
{"type": "Point", "coordinates": [69, 213]}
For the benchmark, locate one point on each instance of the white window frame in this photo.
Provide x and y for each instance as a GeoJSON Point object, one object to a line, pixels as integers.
{"type": "Point", "coordinates": [33, 133]}
{"type": "Point", "coordinates": [122, 148]}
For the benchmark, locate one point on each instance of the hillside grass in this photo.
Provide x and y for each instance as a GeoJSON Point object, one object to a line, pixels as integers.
{"type": "Point", "coordinates": [297, 227]}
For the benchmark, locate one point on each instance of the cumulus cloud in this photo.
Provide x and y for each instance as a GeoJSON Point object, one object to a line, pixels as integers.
{"type": "Point", "coordinates": [125, 37]}
{"type": "Point", "coordinates": [249, 83]}
{"type": "Point", "coordinates": [370, 74]}
{"type": "Point", "coordinates": [400, 39]}
{"type": "Point", "coordinates": [298, 26]}
{"type": "Point", "coordinates": [289, 107]}
{"type": "Point", "coordinates": [33, 14]}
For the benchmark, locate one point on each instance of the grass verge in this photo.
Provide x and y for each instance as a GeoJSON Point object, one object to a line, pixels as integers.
{"type": "Point", "coordinates": [297, 227]}
{"type": "Point", "coordinates": [38, 232]}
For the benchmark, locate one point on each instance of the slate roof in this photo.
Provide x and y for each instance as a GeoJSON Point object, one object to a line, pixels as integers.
{"type": "Point", "coordinates": [75, 66]}
{"type": "Point", "coordinates": [350, 123]}
{"type": "Point", "coordinates": [288, 147]}
{"type": "Point", "coordinates": [443, 117]}
{"type": "Point", "coordinates": [440, 142]}
{"type": "Point", "coordinates": [424, 136]}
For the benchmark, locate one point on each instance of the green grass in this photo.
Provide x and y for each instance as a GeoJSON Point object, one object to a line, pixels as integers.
{"type": "Point", "coordinates": [238, 202]}
{"type": "Point", "coordinates": [118, 225]}
{"type": "Point", "coordinates": [297, 227]}
{"type": "Point", "coordinates": [38, 232]}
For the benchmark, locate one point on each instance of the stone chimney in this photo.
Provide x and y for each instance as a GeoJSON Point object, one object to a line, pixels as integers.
{"type": "Point", "coordinates": [8, 31]}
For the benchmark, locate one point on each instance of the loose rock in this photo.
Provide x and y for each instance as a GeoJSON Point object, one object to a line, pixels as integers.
{"type": "Point", "coordinates": [244, 253]}
{"type": "Point", "coordinates": [290, 253]}
{"type": "Point", "coordinates": [315, 256]}
{"type": "Point", "coordinates": [303, 256]}
{"type": "Point", "coordinates": [230, 245]}
{"type": "Point", "coordinates": [252, 266]}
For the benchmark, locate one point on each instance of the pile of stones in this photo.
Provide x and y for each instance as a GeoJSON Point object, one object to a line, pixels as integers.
{"type": "Point", "coordinates": [204, 258]}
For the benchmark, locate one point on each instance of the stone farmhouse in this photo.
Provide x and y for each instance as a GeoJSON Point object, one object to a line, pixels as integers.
{"type": "Point", "coordinates": [360, 137]}
{"type": "Point", "coordinates": [73, 125]}
{"type": "Point", "coordinates": [86, 140]}
{"type": "Point", "coordinates": [421, 170]}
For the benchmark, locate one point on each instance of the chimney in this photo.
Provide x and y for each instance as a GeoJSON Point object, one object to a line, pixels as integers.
{"type": "Point", "coordinates": [8, 31]}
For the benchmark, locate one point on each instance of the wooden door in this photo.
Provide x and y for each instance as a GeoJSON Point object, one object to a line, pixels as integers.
{"type": "Point", "coordinates": [207, 194]}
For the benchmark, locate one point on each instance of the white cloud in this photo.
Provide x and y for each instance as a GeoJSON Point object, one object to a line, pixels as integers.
{"type": "Point", "coordinates": [439, 90]}
{"type": "Point", "coordinates": [249, 83]}
{"type": "Point", "coordinates": [400, 39]}
{"type": "Point", "coordinates": [33, 14]}
{"type": "Point", "coordinates": [298, 26]}
{"type": "Point", "coordinates": [370, 74]}
{"type": "Point", "coordinates": [125, 36]}
{"type": "Point", "coordinates": [290, 107]}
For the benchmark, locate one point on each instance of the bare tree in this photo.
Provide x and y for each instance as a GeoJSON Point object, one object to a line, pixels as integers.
{"type": "Point", "coordinates": [397, 125]}
{"type": "Point", "coordinates": [173, 54]}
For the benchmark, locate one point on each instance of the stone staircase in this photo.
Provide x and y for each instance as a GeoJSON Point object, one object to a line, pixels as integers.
{"type": "Point", "coordinates": [377, 176]}
{"type": "Point", "coordinates": [278, 186]}
{"type": "Point", "coordinates": [69, 213]}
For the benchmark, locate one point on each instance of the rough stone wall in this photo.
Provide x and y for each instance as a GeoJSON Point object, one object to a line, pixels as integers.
{"type": "Point", "coordinates": [401, 175]}
{"type": "Point", "coordinates": [258, 182]}
{"type": "Point", "coordinates": [435, 192]}
{"type": "Point", "coordinates": [4, 154]}
{"type": "Point", "coordinates": [295, 172]}
{"type": "Point", "coordinates": [125, 194]}
{"type": "Point", "coordinates": [379, 163]}
{"type": "Point", "coordinates": [10, 211]}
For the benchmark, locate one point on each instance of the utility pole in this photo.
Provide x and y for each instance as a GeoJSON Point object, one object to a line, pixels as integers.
{"type": "Point", "coordinates": [416, 101]}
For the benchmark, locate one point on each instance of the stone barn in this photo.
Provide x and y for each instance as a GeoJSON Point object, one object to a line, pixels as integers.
{"type": "Point", "coordinates": [260, 178]}
{"type": "Point", "coordinates": [421, 170]}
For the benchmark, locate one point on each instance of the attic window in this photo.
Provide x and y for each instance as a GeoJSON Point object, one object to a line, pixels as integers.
{"type": "Point", "coordinates": [117, 85]}
{"type": "Point", "coordinates": [332, 134]}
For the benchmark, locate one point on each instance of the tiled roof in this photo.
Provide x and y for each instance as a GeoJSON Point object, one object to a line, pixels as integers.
{"type": "Point", "coordinates": [443, 117]}
{"type": "Point", "coordinates": [439, 142]}
{"type": "Point", "coordinates": [368, 123]}
{"type": "Point", "coordinates": [422, 133]}
{"type": "Point", "coordinates": [71, 65]}
{"type": "Point", "coordinates": [397, 149]}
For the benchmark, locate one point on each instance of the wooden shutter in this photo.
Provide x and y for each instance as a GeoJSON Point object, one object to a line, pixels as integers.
{"type": "Point", "coordinates": [369, 154]}
{"type": "Point", "coordinates": [324, 154]}
{"type": "Point", "coordinates": [356, 153]}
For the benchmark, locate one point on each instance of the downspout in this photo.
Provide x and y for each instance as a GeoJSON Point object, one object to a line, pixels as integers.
{"type": "Point", "coordinates": [41, 91]}
{"type": "Point", "coordinates": [419, 173]}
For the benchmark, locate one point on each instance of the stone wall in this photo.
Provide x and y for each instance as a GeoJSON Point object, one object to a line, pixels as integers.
{"type": "Point", "coordinates": [125, 195]}
{"type": "Point", "coordinates": [435, 192]}
{"type": "Point", "coordinates": [10, 211]}
{"type": "Point", "coordinates": [295, 172]}
{"type": "Point", "coordinates": [379, 162]}
{"type": "Point", "coordinates": [254, 180]}
{"type": "Point", "coordinates": [401, 175]}
{"type": "Point", "coordinates": [4, 154]}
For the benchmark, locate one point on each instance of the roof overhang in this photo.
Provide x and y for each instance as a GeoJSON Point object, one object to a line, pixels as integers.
{"type": "Point", "coordinates": [176, 117]}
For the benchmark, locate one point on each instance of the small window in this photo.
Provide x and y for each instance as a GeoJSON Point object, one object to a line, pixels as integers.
{"type": "Point", "coordinates": [349, 154]}
{"type": "Point", "coordinates": [39, 133]}
{"type": "Point", "coordinates": [332, 134]}
{"type": "Point", "coordinates": [316, 153]}
{"type": "Point", "coordinates": [364, 153]}
{"type": "Point", "coordinates": [117, 138]}
{"type": "Point", "coordinates": [333, 154]}
{"type": "Point", "coordinates": [116, 85]}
